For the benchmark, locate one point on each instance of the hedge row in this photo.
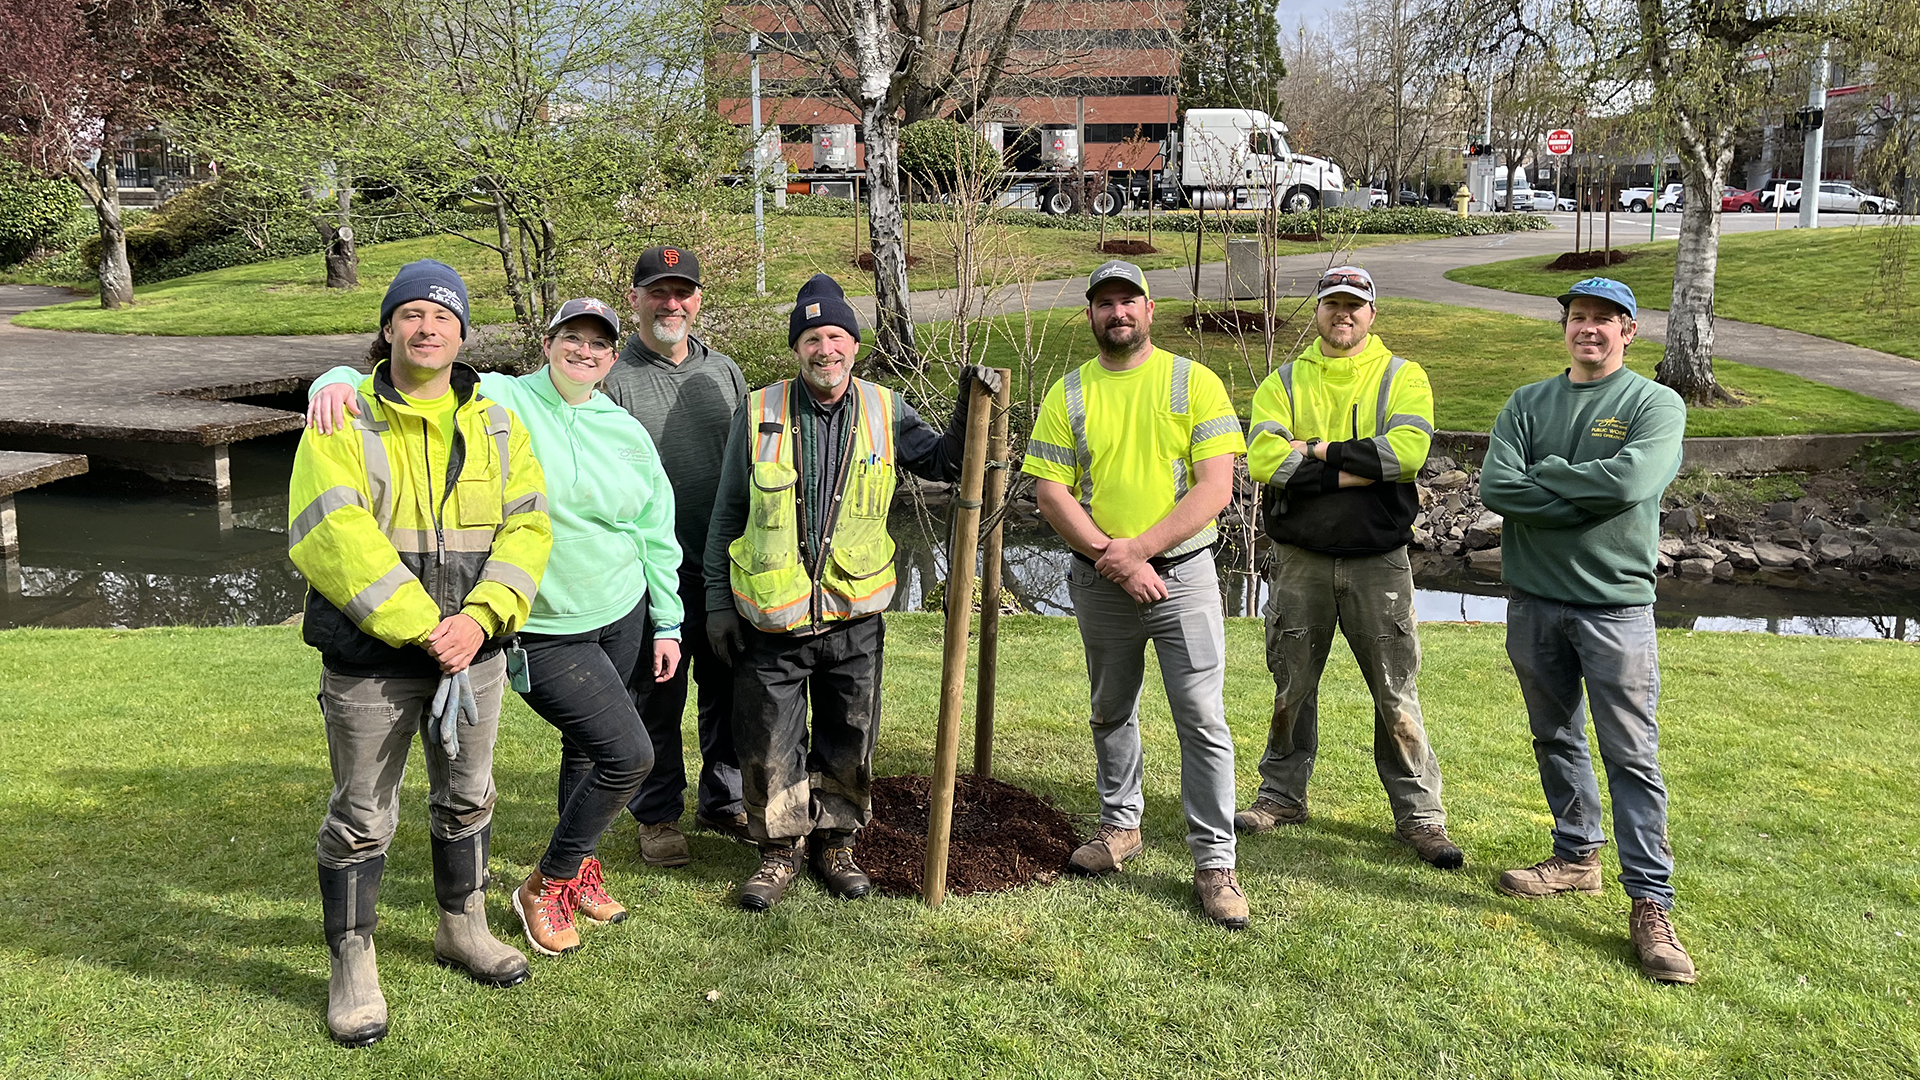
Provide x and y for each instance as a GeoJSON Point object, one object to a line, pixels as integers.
{"type": "Point", "coordinates": [1406, 220]}
{"type": "Point", "coordinates": [239, 250]}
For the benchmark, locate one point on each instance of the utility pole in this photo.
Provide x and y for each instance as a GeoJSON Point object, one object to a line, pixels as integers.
{"type": "Point", "coordinates": [759, 174]}
{"type": "Point", "coordinates": [1815, 145]}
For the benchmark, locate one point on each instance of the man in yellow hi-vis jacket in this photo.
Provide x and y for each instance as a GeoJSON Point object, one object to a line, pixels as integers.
{"type": "Point", "coordinates": [798, 550]}
{"type": "Point", "coordinates": [422, 530]}
{"type": "Point", "coordinates": [1338, 437]}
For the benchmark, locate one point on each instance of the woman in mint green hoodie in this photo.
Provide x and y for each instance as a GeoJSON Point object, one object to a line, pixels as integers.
{"type": "Point", "coordinates": [606, 621]}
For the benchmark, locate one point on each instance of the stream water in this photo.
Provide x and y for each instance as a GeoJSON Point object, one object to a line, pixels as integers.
{"type": "Point", "coordinates": [92, 555]}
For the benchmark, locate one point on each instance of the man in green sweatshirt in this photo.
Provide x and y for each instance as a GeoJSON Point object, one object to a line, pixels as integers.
{"type": "Point", "coordinates": [1577, 465]}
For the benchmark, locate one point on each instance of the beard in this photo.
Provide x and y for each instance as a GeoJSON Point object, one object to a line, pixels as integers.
{"type": "Point", "coordinates": [667, 334]}
{"type": "Point", "coordinates": [823, 380]}
{"type": "Point", "coordinates": [1119, 338]}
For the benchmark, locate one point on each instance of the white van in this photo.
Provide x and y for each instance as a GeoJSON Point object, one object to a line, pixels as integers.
{"type": "Point", "coordinates": [1522, 188]}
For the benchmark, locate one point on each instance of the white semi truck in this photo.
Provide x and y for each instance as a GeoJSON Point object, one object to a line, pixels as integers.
{"type": "Point", "coordinates": [1239, 159]}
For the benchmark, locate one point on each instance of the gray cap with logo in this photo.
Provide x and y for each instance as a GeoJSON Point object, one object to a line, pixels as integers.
{"type": "Point", "coordinates": [1117, 270]}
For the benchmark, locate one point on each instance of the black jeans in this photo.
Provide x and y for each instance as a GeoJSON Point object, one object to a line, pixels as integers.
{"type": "Point", "coordinates": [662, 797]}
{"type": "Point", "coordinates": [592, 686]}
{"type": "Point", "coordinates": [795, 783]}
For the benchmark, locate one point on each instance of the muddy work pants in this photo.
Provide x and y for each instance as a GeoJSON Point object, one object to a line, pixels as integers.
{"type": "Point", "coordinates": [793, 782]}
{"type": "Point", "coordinates": [1369, 598]}
{"type": "Point", "coordinates": [371, 724]}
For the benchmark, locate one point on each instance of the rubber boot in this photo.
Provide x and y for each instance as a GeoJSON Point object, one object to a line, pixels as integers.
{"type": "Point", "coordinates": [356, 1010]}
{"type": "Point", "coordinates": [462, 939]}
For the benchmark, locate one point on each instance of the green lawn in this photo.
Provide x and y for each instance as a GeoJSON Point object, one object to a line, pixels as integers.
{"type": "Point", "coordinates": [1826, 282]}
{"type": "Point", "coordinates": [289, 296]}
{"type": "Point", "coordinates": [159, 914]}
{"type": "Point", "coordinates": [1474, 359]}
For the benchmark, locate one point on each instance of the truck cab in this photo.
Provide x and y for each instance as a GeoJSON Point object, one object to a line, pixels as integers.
{"type": "Point", "coordinates": [1239, 159]}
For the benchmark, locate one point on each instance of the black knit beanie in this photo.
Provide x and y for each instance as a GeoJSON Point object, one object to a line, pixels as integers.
{"type": "Point", "coordinates": [821, 303]}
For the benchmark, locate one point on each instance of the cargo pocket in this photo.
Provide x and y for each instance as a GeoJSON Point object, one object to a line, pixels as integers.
{"type": "Point", "coordinates": [773, 541]}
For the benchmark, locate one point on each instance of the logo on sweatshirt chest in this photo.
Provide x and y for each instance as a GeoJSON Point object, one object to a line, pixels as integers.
{"type": "Point", "coordinates": [1610, 428]}
{"type": "Point", "coordinates": [631, 453]}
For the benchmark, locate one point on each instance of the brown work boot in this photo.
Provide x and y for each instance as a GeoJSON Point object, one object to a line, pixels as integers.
{"type": "Point", "coordinates": [731, 826]}
{"type": "Point", "coordinates": [1654, 941]}
{"type": "Point", "coordinates": [1551, 876]}
{"type": "Point", "coordinates": [835, 868]}
{"type": "Point", "coordinates": [1265, 813]}
{"type": "Point", "coordinates": [1111, 845]}
{"type": "Point", "coordinates": [594, 903]}
{"type": "Point", "coordinates": [546, 906]}
{"type": "Point", "coordinates": [663, 845]}
{"type": "Point", "coordinates": [1218, 891]}
{"type": "Point", "coordinates": [778, 867]}
{"type": "Point", "coordinates": [1431, 844]}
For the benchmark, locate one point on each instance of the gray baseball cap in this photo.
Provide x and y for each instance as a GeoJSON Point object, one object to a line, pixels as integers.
{"type": "Point", "coordinates": [587, 307]}
{"type": "Point", "coordinates": [1117, 270]}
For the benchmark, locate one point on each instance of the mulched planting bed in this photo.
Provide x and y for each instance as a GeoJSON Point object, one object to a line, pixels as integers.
{"type": "Point", "coordinates": [1230, 321]}
{"type": "Point", "coordinates": [1590, 260]}
{"type": "Point", "coordinates": [1003, 837]}
{"type": "Point", "coordinates": [1128, 247]}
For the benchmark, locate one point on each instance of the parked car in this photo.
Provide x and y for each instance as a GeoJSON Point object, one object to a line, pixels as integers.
{"type": "Point", "coordinates": [1735, 201]}
{"type": "Point", "coordinates": [1410, 197]}
{"type": "Point", "coordinates": [1639, 199]}
{"type": "Point", "coordinates": [1377, 197]}
{"type": "Point", "coordinates": [1544, 200]}
{"type": "Point", "coordinates": [1790, 199]}
{"type": "Point", "coordinates": [1844, 198]}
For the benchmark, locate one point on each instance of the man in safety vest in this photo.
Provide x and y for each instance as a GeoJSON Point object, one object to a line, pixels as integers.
{"type": "Point", "coordinates": [798, 552]}
{"type": "Point", "coordinates": [422, 530]}
{"type": "Point", "coordinates": [1339, 435]}
{"type": "Point", "coordinates": [1133, 456]}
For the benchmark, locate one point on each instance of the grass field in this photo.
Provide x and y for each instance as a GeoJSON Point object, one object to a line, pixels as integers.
{"type": "Point", "coordinates": [1830, 282]}
{"type": "Point", "coordinates": [1474, 359]}
{"type": "Point", "coordinates": [289, 296]}
{"type": "Point", "coordinates": [159, 915]}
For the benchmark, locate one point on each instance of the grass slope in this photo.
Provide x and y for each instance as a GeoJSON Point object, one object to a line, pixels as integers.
{"type": "Point", "coordinates": [1826, 282]}
{"type": "Point", "coordinates": [159, 915]}
{"type": "Point", "coordinates": [289, 296]}
{"type": "Point", "coordinates": [1474, 359]}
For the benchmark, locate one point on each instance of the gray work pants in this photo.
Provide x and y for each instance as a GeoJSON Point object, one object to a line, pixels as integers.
{"type": "Point", "coordinates": [371, 724]}
{"type": "Point", "coordinates": [1370, 599]}
{"type": "Point", "coordinates": [1188, 631]}
{"type": "Point", "coordinates": [1555, 647]}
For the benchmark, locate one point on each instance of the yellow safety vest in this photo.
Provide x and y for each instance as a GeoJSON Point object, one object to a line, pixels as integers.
{"type": "Point", "coordinates": [853, 574]}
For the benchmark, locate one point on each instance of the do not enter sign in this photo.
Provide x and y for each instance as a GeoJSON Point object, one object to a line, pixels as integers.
{"type": "Point", "coordinates": [1560, 142]}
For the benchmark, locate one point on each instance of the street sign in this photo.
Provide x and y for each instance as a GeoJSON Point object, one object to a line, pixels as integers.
{"type": "Point", "coordinates": [1560, 142]}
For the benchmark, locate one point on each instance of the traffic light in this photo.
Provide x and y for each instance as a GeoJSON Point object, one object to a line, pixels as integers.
{"type": "Point", "coordinates": [1480, 149]}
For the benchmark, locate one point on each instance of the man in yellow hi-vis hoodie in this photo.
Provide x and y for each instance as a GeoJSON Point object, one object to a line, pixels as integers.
{"type": "Point", "coordinates": [422, 530]}
{"type": "Point", "coordinates": [1338, 437]}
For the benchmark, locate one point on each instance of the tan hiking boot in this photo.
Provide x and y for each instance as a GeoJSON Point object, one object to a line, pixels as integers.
{"type": "Point", "coordinates": [731, 826]}
{"type": "Point", "coordinates": [595, 905]}
{"type": "Point", "coordinates": [546, 906]}
{"type": "Point", "coordinates": [1220, 896]}
{"type": "Point", "coordinates": [663, 845]}
{"type": "Point", "coordinates": [1662, 958]}
{"type": "Point", "coordinates": [778, 867]}
{"type": "Point", "coordinates": [1264, 814]}
{"type": "Point", "coordinates": [1431, 844]}
{"type": "Point", "coordinates": [1111, 845]}
{"type": "Point", "coordinates": [1552, 876]}
{"type": "Point", "coordinates": [835, 868]}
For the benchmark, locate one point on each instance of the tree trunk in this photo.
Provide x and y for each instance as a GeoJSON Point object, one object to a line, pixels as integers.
{"type": "Point", "coordinates": [343, 262]}
{"type": "Point", "coordinates": [1687, 365]}
{"type": "Point", "coordinates": [101, 186]}
{"type": "Point", "coordinates": [503, 228]}
{"type": "Point", "coordinates": [887, 226]}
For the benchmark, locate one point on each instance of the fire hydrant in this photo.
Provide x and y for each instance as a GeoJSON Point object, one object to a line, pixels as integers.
{"type": "Point", "coordinates": [1460, 200]}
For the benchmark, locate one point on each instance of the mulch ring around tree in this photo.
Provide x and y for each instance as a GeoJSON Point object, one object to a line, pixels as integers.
{"type": "Point", "coordinates": [1231, 321]}
{"type": "Point", "coordinates": [1127, 247]}
{"type": "Point", "coordinates": [1591, 260]}
{"type": "Point", "coordinates": [1003, 837]}
{"type": "Point", "coordinates": [864, 260]}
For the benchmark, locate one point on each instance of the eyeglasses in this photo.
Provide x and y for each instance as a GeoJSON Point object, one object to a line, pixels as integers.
{"type": "Point", "coordinates": [1359, 281]}
{"type": "Point", "coordinates": [590, 346]}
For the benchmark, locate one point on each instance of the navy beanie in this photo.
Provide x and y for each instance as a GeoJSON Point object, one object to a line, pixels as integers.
{"type": "Point", "coordinates": [821, 303]}
{"type": "Point", "coordinates": [427, 279]}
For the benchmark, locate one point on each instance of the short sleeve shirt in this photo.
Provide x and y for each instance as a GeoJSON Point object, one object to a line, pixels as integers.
{"type": "Point", "coordinates": [1125, 441]}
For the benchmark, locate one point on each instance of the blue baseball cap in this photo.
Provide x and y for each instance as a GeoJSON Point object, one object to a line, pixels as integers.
{"type": "Point", "coordinates": [1606, 289]}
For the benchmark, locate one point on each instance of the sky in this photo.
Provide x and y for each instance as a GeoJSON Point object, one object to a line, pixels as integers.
{"type": "Point", "coordinates": [1314, 12]}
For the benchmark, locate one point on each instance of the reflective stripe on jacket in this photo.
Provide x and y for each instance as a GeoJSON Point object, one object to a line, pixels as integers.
{"type": "Point", "coordinates": [774, 587]}
{"type": "Point", "coordinates": [395, 529]}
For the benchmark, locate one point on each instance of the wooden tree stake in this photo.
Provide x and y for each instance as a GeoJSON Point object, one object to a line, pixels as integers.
{"type": "Point", "coordinates": [994, 501]}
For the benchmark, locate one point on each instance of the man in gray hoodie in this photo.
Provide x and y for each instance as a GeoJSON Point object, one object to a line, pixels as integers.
{"type": "Point", "coordinates": [665, 376]}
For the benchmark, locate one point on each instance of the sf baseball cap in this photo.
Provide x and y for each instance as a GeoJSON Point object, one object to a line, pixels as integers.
{"type": "Point", "coordinates": [1345, 280]}
{"type": "Point", "coordinates": [1606, 289]}
{"type": "Point", "coordinates": [665, 262]}
{"type": "Point", "coordinates": [586, 307]}
{"type": "Point", "coordinates": [1116, 270]}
